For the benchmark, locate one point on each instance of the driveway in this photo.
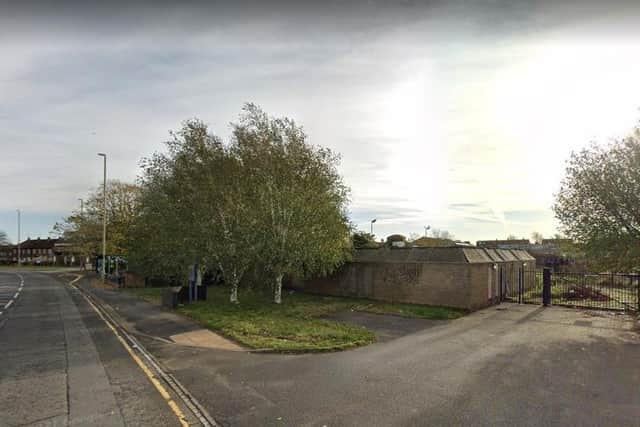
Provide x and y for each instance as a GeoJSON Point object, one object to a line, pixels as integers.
{"type": "Point", "coordinates": [506, 365]}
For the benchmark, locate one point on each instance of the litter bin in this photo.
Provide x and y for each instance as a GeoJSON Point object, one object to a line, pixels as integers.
{"type": "Point", "coordinates": [170, 297]}
{"type": "Point", "coordinates": [201, 291]}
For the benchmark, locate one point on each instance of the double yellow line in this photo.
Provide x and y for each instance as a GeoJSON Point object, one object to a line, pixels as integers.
{"type": "Point", "coordinates": [152, 377]}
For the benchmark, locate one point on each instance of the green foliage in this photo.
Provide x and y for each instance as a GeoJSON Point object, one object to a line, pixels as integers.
{"type": "Point", "coordinates": [395, 238]}
{"type": "Point", "coordinates": [194, 209]}
{"type": "Point", "coordinates": [364, 240]}
{"type": "Point", "coordinates": [84, 229]}
{"type": "Point", "coordinates": [298, 196]}
{"type": "Point", "coordinates": [268, 201]}
{"type": "Point", "coordinates": [4, 238]}
{"type": "Point", "coordinates": [598, 204]}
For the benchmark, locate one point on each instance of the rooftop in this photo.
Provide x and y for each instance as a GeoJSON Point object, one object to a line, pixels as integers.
{"type": "Point", "coordinates": [470, 255]}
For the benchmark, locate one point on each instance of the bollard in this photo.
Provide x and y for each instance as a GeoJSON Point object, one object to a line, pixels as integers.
{"type": "Point", "coordinates": [546, 287]}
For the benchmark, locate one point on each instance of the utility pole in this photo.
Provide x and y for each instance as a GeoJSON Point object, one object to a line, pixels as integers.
{"type": "Point", "coordinates": [104, 216]}
{"type": "Point", "coordinates": [81, 208]}
{"type": "Point", "coordinates": [19, 262]}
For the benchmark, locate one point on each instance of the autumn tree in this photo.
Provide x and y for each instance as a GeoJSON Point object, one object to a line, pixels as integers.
{"type": "Point", "coordinates": [598, 205]}
{"type": "Point", "coordinates": [84, 228]}
{"type": "Point", "coordinates": [299, 197]}
{"type": "Point", "coordinates": [364, 240]}
{"type": "Point", "coordinates": [194, 209]}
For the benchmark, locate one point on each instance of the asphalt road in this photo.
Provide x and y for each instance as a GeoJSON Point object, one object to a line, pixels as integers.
{"type": "Point", "coordinates": [60, 365]}
{"type": "Point", "coordinates": [515, 365]}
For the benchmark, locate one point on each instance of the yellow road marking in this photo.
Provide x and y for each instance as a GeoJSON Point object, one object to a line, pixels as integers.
{"type": "Point", "coordinates": [154, 380]}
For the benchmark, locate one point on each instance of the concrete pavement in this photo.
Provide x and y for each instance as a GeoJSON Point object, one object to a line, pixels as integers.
{"type": "Point", "coordinates": [141, 318]}
{"type": "Point", "coordinates": [514, 365]}
{"type": "Point", "coordinates": [60, 365]}
{"type": "Point", "coordinates": [511, 365]}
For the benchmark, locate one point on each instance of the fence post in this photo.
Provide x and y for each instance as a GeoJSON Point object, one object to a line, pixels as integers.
{"type": "Point", "coordinates": [520, 284]}
{"type": "Point", "coordinates": [546, 287]}
{"type": "Point", "coordinates": [638, 291]}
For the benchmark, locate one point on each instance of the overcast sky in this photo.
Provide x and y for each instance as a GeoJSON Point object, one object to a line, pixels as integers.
{"type": "Point", "coordinates": [454, 114]}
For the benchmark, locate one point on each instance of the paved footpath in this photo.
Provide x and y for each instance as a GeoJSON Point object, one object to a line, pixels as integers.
{"type": "Point", "coordinates": [60, 364]}
{"type": "Point", "coordinates": [509, 365]}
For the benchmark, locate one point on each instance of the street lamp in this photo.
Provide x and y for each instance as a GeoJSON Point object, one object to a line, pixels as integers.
{"type": "Point", "coordinates": [372, 221]}
{"type": "Point", "coordinates": [81, 208]}
{"type": "Point", "coordinates": [18, 210]}
{"type": "Point", "coordinates": [104, 216]}
{"type": "Point", "coordinates": [426, 229]}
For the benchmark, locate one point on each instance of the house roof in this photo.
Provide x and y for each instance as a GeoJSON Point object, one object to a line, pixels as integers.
{"type": "Point", "coordinates": [435, 254]}
{"type": "Point", "coordinates": [507, 255]}
{"type": "Point", "coordinates": [464, 255]}
{"type": "Point", "coordinates": [505, 244]}
{"type": "Point", "coordinates": [476, 255]}
{"type": "Point", "coordinates": [38, 243]}
{"type": "Point", "coordinates": [522, 255]}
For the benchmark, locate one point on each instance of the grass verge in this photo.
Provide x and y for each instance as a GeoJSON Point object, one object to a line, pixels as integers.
{"type": "Point", "coordinates": [295, 324]}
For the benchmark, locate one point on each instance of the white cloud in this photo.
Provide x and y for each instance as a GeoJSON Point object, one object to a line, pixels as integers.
{"type": "Point", "coordinates": [429, 106]}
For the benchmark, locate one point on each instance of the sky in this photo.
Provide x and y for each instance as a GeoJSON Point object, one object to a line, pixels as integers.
{"type": "Point", "coordinates": [455, 114]}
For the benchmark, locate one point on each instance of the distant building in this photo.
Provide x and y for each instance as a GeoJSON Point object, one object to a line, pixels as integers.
{"type": "Point", "coordinates": [548, 253]}
{"type": "Point", "coordinates": [6, 254]}
{"type": "Point", "coordinates": [41, 252]}
{"type": "Point", "coordinates": [433, 242]}
{"type": "Point", "coordinates": [523, 244]}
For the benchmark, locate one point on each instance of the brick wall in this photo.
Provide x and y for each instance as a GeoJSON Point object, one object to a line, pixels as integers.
{"type": "Point", "coordinates": [459, 285]}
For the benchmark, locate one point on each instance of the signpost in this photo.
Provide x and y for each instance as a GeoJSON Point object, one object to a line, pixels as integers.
{"type": "Point", "coordinates": [193, 282]}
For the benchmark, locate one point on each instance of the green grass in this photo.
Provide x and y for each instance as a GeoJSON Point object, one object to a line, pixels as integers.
{"type": "Point", "coordinates": [295, 324]}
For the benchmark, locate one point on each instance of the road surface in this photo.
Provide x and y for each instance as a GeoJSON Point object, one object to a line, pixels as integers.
{"type": "Point", "coordinates": [61, 365]}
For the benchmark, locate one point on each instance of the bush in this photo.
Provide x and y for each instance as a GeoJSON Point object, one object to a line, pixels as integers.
{"type": "Point", "coordinates": [396, 240]}
{"type": "Point", "coordinates": [363, 240]}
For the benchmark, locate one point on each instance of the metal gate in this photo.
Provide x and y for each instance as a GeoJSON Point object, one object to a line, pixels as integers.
{"type": "Point", "coordinates": [604, 291]}
{"type": "Point", "coordinates": [524, 287]}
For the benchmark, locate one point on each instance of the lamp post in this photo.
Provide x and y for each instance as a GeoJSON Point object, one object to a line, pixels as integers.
{"type": "Point", "coordinates": [372, 221]}
{"type": "Point", "coordinates": [426, 229]}
{"type": "Point", "coordinates": [19, 262]}
{"type": "Point", "coordinates": [81, 208]}
{"type": "Point", "coordinates": [104, 216]}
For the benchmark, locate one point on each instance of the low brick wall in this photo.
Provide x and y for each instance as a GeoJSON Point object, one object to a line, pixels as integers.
{"type": "Point", "coordinates": [458, 285]}
{"type": "Point", "coordinates": [461, 277]}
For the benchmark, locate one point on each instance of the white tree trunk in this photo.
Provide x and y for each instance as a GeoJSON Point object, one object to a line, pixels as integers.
{"type": "Point", "coordinates": [278, 291]}
{"type": "Point", "coordinates": [234, 288]}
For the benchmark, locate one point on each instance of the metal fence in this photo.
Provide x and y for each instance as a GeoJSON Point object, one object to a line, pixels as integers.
{"type": "Point", "coordinates": [526, 288]}
{"type": "Point", "coordinates": [605, 291]}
